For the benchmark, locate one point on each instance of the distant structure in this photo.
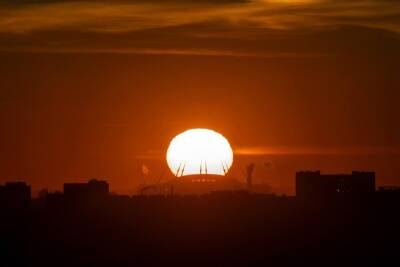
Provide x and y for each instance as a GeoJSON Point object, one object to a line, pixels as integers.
{"type": "Point", "coordinates": [391, 189]}
{"type": "Point", "coordinates": [314, 184]}
{"type": "Point", "coordinates": [15, 195]}
{"type": "Point", "coordinates": [388, 191]}
{"type": "Point", "coordinates": [205, 183]}
{"type": "Point", "coordinates": [94, 189]}
{"type": "Point", "coordinates": [194, 184]}
{"type": "Point", "coordinates": [249, 176]}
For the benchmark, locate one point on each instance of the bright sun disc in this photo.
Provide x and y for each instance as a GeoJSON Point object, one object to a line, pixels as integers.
{"type": "Point", "coordinates": [199, 151]}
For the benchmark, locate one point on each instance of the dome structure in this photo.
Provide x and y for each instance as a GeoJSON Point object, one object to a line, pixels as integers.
{"type": "Point", "coordinates": [205, 183]}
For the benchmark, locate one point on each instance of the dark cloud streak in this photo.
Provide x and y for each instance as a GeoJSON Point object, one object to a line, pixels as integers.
{"type": "Point", "coordinates": [257, 28]}
{"type": "Point", "coordinates": [196, 2]}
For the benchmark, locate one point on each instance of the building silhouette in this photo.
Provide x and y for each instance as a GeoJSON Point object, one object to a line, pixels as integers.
{"type": "Point", "coordinates": [87, 226]}
{"type": "Point", "coordinates": [93, 190]}
{"type": "Point", "coordinates": [314, 184]}
{"type": "Point", "coordinates": [15, 195]}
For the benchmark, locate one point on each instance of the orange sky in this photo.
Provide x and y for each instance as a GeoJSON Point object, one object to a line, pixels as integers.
{"type": "Point", "coordinates": [96, 89]}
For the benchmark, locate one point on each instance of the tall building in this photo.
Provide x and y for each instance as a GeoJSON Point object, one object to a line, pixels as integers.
{"type": "Point", "coordinates": [315, 184]}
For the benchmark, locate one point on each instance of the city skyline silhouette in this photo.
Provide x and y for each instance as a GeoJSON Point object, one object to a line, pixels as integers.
{"type": "Point", "coordinates": [340, 217]}
{"type": "Point", "coordinates": [199, 133]}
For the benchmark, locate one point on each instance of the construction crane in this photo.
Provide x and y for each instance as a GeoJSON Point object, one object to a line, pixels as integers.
{"type": "Point", "coordinates": [155, 187]}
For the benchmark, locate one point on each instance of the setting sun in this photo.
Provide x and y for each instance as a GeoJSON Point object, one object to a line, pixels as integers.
{"type": "Point", "coordinates": [199, 151]}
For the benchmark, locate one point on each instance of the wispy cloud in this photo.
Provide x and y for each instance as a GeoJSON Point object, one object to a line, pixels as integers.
{"type": "Point", "coordinates": [319, 151]}
{"type": "Point", "coordinates": [196, 23]}
{"type": "Point", "coordinates": [293, 151]}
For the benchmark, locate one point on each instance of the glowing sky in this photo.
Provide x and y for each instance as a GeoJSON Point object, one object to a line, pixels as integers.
{"type": "Point", "coordinates": [96, 89]}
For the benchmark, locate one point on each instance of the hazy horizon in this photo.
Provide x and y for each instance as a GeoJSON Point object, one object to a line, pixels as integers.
{"type": "Point", "coordinates": [97, 89]}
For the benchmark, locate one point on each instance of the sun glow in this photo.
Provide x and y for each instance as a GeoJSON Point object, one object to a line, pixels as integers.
{"type": "Point", "coordinates": [199, 151]}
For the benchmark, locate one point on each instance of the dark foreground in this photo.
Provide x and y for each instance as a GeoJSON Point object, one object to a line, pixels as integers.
{"type": "Point", "coordinates": [213, 230]}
